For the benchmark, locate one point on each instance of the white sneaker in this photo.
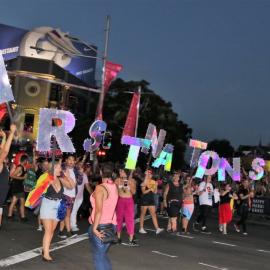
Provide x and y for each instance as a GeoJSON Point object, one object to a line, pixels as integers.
{"type": "Point", "coordinates": [75, 229]}
{"type": "Point", "coordinates": [220, 227]}
{"type": "Point", "coordinates": [159, 230]}
{"type": "Point", "coordinates": [142, 231]}
{"type": "Point", "coordinates": [40, 228]}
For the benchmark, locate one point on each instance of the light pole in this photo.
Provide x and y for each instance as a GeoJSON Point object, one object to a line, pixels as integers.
{"type": "Point", "coordinates": [102, 92]}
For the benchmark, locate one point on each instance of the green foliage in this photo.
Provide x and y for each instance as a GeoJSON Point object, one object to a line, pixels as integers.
{"type": "Point", "coordinates": [222, 147]}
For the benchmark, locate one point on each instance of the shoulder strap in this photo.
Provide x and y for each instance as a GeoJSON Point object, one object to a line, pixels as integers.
{"type": "Point", "coordinates": [106, 190]}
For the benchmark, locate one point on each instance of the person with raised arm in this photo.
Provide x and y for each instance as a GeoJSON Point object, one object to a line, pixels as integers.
{"type": "Point", "coordinates": [125, 206]}
{"type": "Point", "coordinates": [4, 172]}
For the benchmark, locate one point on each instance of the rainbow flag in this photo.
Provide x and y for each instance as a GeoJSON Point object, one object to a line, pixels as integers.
{"type": "Point", "coordinates": [40, 188]}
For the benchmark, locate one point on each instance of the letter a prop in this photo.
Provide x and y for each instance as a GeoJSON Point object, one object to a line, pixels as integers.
{"type": "Point", "coordinates": [65, 123]}
{"type": "Point", "coordinates": [6, 94]}
{"type": "Point", "coordinates": [165, 158]}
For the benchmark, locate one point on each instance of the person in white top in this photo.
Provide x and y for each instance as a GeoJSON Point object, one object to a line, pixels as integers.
{"type": "Point", "coordinates": [69, 196]}
{"type": "Point", "coordinates": [205, 192]}
{"type": "Point", "coordinates": [79, 197]}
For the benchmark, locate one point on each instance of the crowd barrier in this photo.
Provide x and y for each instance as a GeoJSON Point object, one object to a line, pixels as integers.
{"type": "Point", "coordinates": [261, 206]}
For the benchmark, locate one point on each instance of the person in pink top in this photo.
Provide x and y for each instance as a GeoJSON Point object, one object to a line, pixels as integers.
{"type": "Point", "coordinates": [104, 201]}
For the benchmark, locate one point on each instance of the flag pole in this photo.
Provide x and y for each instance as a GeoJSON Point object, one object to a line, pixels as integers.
{"type": "Point", "coordinates": [102, 92]}
{"type": "Point", "coordinates": [138, 111]}
{"type": "Point", "coordinates": [9, 112]}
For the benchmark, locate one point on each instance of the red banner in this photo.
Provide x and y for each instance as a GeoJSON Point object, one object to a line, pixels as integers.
{"type": "Point", "coordinates": [130, 125]}
{"type": "Point", "coordinates": [111, 71]}
{"type": "Point", "coordinates": [3, 111]}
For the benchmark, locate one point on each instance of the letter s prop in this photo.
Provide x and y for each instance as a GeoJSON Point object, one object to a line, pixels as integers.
{"type": "Point", "coordinates": [96, 132]}
{"type": "Point", "coordinates": [257, 166]}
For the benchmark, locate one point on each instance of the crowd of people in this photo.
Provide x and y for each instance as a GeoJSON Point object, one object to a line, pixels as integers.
{"type": "Point", "coordinates": [117, 197]}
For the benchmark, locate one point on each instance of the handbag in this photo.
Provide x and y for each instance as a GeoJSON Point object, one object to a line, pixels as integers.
{"type": "Point", "coordinates": [108, 232]}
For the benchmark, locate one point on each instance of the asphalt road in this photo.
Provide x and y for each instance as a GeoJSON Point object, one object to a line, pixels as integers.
{"type": "Point", "coordinates": [20, 249]}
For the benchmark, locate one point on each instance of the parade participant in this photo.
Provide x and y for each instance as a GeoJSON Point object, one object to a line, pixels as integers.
{"type": "Point", "coordinates": [17, 189]}
{"type": "Point", "coordinates": [79, 196]}
{"type": "Point", "coordinates": [149, 188]}
{"type": "Point", "coordinates": [244, 194]}
{"type": "Point", "coordinates": [173, 200]}
{"type": "Point", "coordinates": [225, 211]}
{"type": "Point", "coordinates": [51, 204]}
{"type": "Point", "coordinates": [205, 192]}
{"type": "Point", "coordinates": [159, 196]}
{"type": "Point", "coordinates": [69, 196]}
{"type": "Point", "coordinates": [125, 206]}
{"type": "Point", "coordinates": [103, 218]}
{"type": "Point", "coordinates": [41, 169]}
{"type": "Point", "coordinates": [188, 204]}
{"type": "Point", "coordinates": [4, 173]}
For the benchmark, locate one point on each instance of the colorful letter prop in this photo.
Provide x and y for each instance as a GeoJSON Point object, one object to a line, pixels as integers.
{"type": "Point", "coordinates": [135, 145]}
{"type": "Point", "coordinates": [65, 123]}
{"type": "Point", "coordinates": [96, 132]}
{"type": "Point", "coordinates": [6, 94]}
{"type": "Point", "coordinates": [225, 166]}
{"type": "Point", "coordinates": [198, 147]}
{"type": "Point", "coordinates": [157, 142]}
{"type": "Point", "coordinates": [203, 161]}
{"type": "Point", "coordinates": [165, 158]}
{"type": "Point", "coordinates": [257, 166]}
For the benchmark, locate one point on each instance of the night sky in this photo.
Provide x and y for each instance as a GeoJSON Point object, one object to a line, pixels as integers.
{"type": "Point", "coordinates": [211, 59]}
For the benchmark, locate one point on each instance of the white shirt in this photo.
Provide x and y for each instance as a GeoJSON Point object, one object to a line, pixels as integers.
{"type": "Point", "coordinates": [81, 187]}
{"type": "Point", "coordinates": [206, 197]}
{"type": "Point", "coordinates": [71, 192]}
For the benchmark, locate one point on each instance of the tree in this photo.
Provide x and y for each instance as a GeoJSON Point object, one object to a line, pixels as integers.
{"type": "Point", "coordinates": [222, 147]}
{"type": "Point", "coordinates": [153, 110]}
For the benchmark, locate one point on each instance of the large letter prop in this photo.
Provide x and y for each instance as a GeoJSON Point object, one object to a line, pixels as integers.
{"type": "Point", "coordinates": [157, 142]}
{"type": "Point", "coordinates": [96, 132]}
{"type": "Point", "coordinates": [6, 94]}
{"type": "Point", "coordinates": [257, 166]}
{"type": "Point", "coordinates": [64, 123]}
{"type": "Point", "coordinates": [198, 147]}
{"type": "Point", "coordinates": [203, 161]}
{"type": "Point", "coordinates": [165, 158]}
{"type": "Point", "coordinates": [135, 145]}
{"type": "Point", "coordinates": [224, 167]}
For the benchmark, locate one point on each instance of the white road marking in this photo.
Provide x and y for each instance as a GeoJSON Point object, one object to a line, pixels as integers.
{"type": "Point", "coordinates": [185, 236]}
{"type": "Point", "coordinates": [265, 251]}
{"type": "Point", "coordinates": [164, 217]}
{"type": "Point", "coordinates": [150, 230]}
{"type": "Point", "coordinates": [125, 244]}
{"type": "Point", "coordinates": [164, 254]}
{"type": "Point", "coordinates": [30, 254]}
{"type": "Point", "coordinates": [37, 251]}
{"type": "Point", "coordinates": [224, 244]}
{"type": "Point", "coordinates": [212, 266]}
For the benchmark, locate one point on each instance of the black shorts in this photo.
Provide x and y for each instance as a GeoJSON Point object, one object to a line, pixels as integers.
{"type": "Point", "coordinates": [148, 199]}
{"type": "Point", "coordinates": [174, 208]}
